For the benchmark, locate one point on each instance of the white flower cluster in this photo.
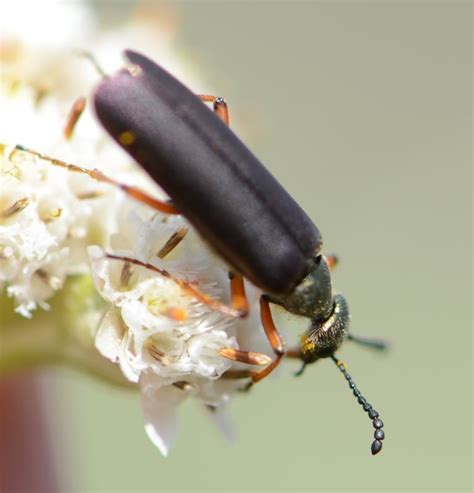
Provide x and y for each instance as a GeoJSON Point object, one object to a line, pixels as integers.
{"type": "Point", "coordinates": [51, 221]}
{"type": "Point", "coordinates": [163, 339]}
{"type": "Point", "coordinates": [47, 218]}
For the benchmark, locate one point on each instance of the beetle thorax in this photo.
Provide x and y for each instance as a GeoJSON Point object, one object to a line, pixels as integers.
{"type": "Point", "coordinates": [312, 297]}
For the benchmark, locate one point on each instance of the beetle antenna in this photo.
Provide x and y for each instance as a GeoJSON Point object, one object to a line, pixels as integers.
{"type": "Point", "coordinates": [92, 59]}
{"type": "Point", "coordinates": [379, 434]}
{"type": "Point", "coordinates": [378, 344]}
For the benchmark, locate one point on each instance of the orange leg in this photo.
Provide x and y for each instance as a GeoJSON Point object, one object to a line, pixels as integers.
{"type": "Point", "coordinates": [332, 260]}
{"type": "Point", "coordinates": [237, 292]}
{"type": "Point", "coordinates": [134, 192]}
{"type": "Point", "coordinates": [186, 286]}
{"type": "Point", "coordinates": [237, 289]}
{"type": "Point", "coordinates": [219, 104]}
{"type": "Point", "coordinates": [74, 114]}
{"type": "Point", "coordinates": [275, 340]}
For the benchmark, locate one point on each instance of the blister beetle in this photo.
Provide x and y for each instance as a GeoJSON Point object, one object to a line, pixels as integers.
{"type": "Point", "coordinates": [238, 208]}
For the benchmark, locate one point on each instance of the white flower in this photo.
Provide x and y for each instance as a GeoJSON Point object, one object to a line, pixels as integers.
{"type": "Point", "coordinates": [161, 337]}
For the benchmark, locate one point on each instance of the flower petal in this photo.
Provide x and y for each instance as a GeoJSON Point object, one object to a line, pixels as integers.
{"type": "Point", "coordinates": [109, 335]}
{"type": "Point", "coordinates": [160, 413]}
{"type": "Point", "coordinates": [221, 417]}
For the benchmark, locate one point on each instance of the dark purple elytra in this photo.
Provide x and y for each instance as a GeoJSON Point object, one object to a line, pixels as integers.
{"type": "Point", "coordinates": [212, 178]}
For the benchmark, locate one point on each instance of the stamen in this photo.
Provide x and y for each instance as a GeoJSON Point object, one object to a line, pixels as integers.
{"type": "Point", "coordinates": [174, 240]}
{"type": "Point", "coordinates": [186, 386]}
{"type": "Point", "coordinates": [18, 206]}
{"type": "Point", "coordinates": [53, 214]}
{"type": "Point", "coordinates": [52, 281]}
{"type": "Point", "coordinates": [5, 252]}
{"type": "Point", "coordinates": [159, 355]}
{"type": "Point", "coordinates": [125, 274]}
{"type": "Point", "coordinates": [93, 194]}
{"type": "Point", "coordinates": [248, 357]}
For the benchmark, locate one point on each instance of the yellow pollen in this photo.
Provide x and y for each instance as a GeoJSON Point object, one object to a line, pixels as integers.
{"type": "Point", "coordinates": [308, 345]}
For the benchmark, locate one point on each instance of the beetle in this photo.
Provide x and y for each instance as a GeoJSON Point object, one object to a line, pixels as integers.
{"type": "Point", "coordinates": [238, 208]}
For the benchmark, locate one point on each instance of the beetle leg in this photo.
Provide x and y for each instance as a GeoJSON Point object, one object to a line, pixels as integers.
{"type": "Point", "coordinates": [219, 104]}
{"type": "Point", "coordinates": [75, 113]}
{"type": "Point", "coordinates": [237, 292]}
{"type": "Point", "coordinates": [332, 261]}
{"type": "Point", "coordinates": [186, 286]}
{"type": "Point", "coordinates": [275, 340]}
{"type": "Point", "coordinates": [134, 192]}
{"type": "Point", "coordinates": [294, 353]}
{"type": "Point", "coordinates": [237, 289]}
{"type": "Point", "coordinates": [378, 344]}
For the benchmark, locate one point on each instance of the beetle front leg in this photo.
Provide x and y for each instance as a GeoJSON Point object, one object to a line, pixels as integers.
{"type": "Point", "coordinates": [238, 298]}
{"type": "Point", "coordinates": [134, 192]}
{"type": "Point", "coordinates": [275, 340]}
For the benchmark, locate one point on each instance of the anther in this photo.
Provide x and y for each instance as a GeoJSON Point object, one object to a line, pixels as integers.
{"type": "Point", "coordinates": [17, 206]}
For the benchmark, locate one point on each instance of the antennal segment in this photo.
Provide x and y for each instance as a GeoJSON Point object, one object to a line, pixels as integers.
{"type": "Point", "coordinates": [379, 434]}
{"type": "Point", "coordinates": [92, 59]}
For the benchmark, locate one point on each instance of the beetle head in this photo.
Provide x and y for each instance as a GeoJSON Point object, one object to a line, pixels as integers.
{"type": "Point", "coordinates": [324, 336]}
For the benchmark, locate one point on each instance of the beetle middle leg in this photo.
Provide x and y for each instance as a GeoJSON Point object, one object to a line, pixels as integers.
{"type": "Point", "coordinates": [75, 113]}
{"type": "Point", "coordinates": [239, 300]}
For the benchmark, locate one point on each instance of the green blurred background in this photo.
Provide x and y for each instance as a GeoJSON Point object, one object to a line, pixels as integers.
{"type": "Point", "coordinates": [363, 111]}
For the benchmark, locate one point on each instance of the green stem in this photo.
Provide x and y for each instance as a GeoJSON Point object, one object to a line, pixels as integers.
{"type": "Point", "coordinates": [58, 337]}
